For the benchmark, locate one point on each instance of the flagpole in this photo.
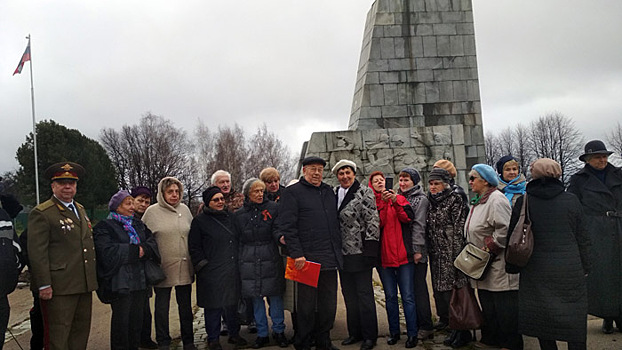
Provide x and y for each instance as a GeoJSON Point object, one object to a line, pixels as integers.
{"type": "Point", "coordinates": [34, 123]}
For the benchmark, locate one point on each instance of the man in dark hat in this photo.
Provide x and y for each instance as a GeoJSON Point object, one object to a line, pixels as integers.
{"type": "Point", "coordinates": [311, 229]}
{"type": "Point", "coordinates": [62, 258]}
{"type": "Point", "coordinates": [599, 188]}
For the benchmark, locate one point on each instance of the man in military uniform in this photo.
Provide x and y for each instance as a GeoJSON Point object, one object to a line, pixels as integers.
{"type": "Point", "coordinates": [62, 258]}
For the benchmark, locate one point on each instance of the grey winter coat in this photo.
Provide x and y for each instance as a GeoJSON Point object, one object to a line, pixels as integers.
{"type": "Point", "coordinates": [419, 202]}
{"type": "Point", "coordinates": [445, 234]}
{"type": "Point", "coordinates": [604, 284]}
{"type": "Point", "coordinates": [553, 292]}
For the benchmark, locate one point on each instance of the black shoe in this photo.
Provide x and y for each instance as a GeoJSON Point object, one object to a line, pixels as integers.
{"type": "Point", "coordinates": [280, 339]}
{"type": "Point", "coordinates": [450, 338]}
{"type": "Point", "coordinates": [252, 327]}
{"type": "Point", "coordinates": [148, 344]}
{"type": "Point", "coordinates": [224, 331]}
{"type": "Point", "coordinates": [368, 344]}
{"type": "Point", "coordinates": [393, 338]}
{"type": "Point", "coordinates": [441, 326]}
{"type": "Point", "coordinates": [237, 340]}
{"type": "Point", "coordinates": [411, 342]}
{"type": "Point", "coordinates": [463, 338]}
{"type": "Point", "coordinates": [261, 342]}
{"type": "Point", "coordinates": [607, 326]}
{"type": "Point", "coordinates": [214, 346]}
{"type": "Point", "coordinates": [351, 340]}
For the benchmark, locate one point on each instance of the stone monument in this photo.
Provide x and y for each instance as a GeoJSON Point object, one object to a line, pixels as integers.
{"type": "Point", "coordinates": [416, 98]}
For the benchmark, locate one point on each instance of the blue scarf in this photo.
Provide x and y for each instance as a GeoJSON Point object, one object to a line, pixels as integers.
{"type": "Point", "coordinates": [513, 188]}
{"type": "Point", "coordinates": [127, 226]}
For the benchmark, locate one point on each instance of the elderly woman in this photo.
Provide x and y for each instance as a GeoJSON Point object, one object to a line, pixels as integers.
{"type": "Point", "coordinates": [169, 220]}
{"type": "Point", "coordinates": [599, 188]}
{"type": "Point", "coordinates": [487, 227]}
{"type": "Point", "coordinates": [445, 233]}
{"type": "Point", "coordinates": [359, 224]}
{"type": "Point", "coordinates": [271, 177]}
{"type": "Point", "coordinates": [412, 191]}
{"type": "Point", "coordinates": [451, 169]}
{"type": "Point", "coordinates": [261, 266]}
{"type": "Point", "coordinates": [213, 248]}
{"type": "Point", "coordinates": [553, 293]}
{"type": "Point", "coordinates": [396, 256]}
{"type": "Point", "coordinates": [511, 182]}
{"type": "Point", "coordinates": [123, 244]}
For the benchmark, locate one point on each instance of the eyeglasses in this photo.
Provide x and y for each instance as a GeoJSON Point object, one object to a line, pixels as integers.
{"type": "Point", "coordinates": [218, 199]}
{"type": "Point", "coordinates": [472, 178]}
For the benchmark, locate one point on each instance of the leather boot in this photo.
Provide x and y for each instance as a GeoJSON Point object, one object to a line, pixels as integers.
{"type": "Point", "coordinates": [450, 338]}
{"type": "Point", "coordinates": [462, 339]}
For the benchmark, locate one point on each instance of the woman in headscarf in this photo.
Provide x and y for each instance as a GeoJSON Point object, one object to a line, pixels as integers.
{"type": "Point", "coordinates": [261, 266]}
{"type": "Point", "coordinates": [487, 227]}
{"type": "Point", "coordinates": [359, 224]}
{"type": "Point", "coordinates": [553, 293]}
{"type": "Point", "coordinates": [445, 233]}
{"type": "Point", "coordinates": [511, 182]}
{"type": "Point", "coordinates": [122, 245]}
{"type": "Point", "coordinates": [409, 179]}
{"type": "Point", "coordinates": [396, 257]}
{"type": "Point", "coordinates": [599, 188]}
{"type": "Point", "coordinates": [213, 248]}
{"type": "Point", "coordinates": [169, 219]}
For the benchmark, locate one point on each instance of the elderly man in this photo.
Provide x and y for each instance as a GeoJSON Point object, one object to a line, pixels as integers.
{"type": "Point", "coordinates": [62, 258]}
{"type": "Point", "coordinates": [233, 199]}
{"type": "Point", "coordinates": [311, 228]}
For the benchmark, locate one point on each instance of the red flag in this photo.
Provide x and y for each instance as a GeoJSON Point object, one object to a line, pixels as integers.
{"type": "Point", "coordinates": [25, 58]}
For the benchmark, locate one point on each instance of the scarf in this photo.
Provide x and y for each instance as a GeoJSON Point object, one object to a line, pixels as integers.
{"type": "Point", "coordinates": [127, 226]}
{"type": "Point", "coordinates": [511, 188]}
{"type": "Point", "coordinates": [481, 199]}
{"type": "Point", "coordinates": [600, 174]}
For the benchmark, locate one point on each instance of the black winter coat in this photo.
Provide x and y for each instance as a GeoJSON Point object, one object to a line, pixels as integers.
{"type": "Point", "coordinates": [604, 285]}
{"type": "Point", "coordinates": [553, 292]}
{"type": "Point", "coordinates": [119, 268]}
{"type": "Point", "coordinates": [261, 266]}
{"type": "Point", "coordinates": [310, 223]}
{"type": "Point", "coordinates": [10, 265]}
{"type": "Point", "coordinates": [213, 247]}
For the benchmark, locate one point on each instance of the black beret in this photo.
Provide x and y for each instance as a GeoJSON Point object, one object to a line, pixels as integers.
{"type": "Point", "coordinates": [313, 160]}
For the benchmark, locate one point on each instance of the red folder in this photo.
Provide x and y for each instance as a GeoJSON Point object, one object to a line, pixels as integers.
{"type": "Point", "coordinates": [309, 274]}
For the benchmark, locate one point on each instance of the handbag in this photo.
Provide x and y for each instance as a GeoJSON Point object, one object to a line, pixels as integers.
{"type": "Point", "coordinates": [473, 261]}
{"type": "Point", "coordinates": [520, 244]}
{"type": "Point", "coordinates": [153, 273]}
{"type": "Point", "coordinates": [464, 311]}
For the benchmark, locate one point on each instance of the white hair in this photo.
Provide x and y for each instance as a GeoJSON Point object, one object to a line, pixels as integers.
{"type": "Point", "coordinates": [219, 173]}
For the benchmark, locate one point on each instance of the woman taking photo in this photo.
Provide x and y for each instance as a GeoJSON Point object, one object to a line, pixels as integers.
{"type": "Point", "coordinates": [169, 220]}
{"type": "Point", "coordinates": [396, 256]}
{"type": "Point", "coordinates": [511, 182]}
{"type": "Point", "coordinates": [553, 293]}
{"type": "Point", "coordinates": [487, 227]}
{"type": "Point", "coordinates": [123, 245]}
{"type": "Point", "coordinates": [213, 248]}
{"type": "Point", "coordinates": [445, 233]}
{"type": "Point", "coordinates": [359, 224]}
{"type": "Point", "coordinates": [261, 266]}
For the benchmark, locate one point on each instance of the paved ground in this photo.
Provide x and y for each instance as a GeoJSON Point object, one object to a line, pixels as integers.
{"type": "Point", "coordinates": [21, 301]}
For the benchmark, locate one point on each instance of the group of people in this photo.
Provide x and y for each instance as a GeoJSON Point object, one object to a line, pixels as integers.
{"type": "Point", "coordinates": [237, 244]}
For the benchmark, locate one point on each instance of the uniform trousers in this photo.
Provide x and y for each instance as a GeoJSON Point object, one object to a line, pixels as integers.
{"type": "Point", "coordinates": [67, 321]}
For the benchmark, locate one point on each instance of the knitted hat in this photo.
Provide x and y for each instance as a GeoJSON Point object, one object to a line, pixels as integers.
{"type": "Point", "coordinates": [343, 163]}
{"type": "Point", "coordinates": [501, 162]}
{"type": "Point", "coordinates": [413, 173]}
{"type": "Point", "coordinates": [545, 167]}
{"type": "Point", "coordinates": [209, 193]}
{"type": "Point", "coordinates": [140, 190]}
{"type": "Point", "coordinates": [447, 165]}
{"type": "Point", "coordinates": [487, 173]}
{"type": "Point", "coordinates": [117, 199]}
{"type": "Point", "coordinates": [439, 174]}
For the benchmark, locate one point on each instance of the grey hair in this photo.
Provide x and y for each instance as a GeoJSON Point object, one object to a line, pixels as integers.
{"type": "Point", "coordinates": [219, 173]}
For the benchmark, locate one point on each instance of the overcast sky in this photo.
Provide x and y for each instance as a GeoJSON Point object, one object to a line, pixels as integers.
{"type": "Point", "coordinates": [289, 64]}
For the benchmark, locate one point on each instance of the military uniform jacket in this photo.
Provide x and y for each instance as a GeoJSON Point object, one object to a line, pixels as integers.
{"type": "Point", "coordinates": [61, 249]}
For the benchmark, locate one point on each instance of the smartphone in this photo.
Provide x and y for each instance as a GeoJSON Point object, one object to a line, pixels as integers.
{"type": "Point", "coordinates": [388, 183]}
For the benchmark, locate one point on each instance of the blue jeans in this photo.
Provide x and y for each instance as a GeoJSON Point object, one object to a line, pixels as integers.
{"type": "Point", "coordinates": [277, 315]}
{"type": "Point", "coordinates": [402, 276]}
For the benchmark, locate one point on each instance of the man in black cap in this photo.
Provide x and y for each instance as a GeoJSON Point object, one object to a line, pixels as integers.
{"type": "Point", "coordinates": [62, 258]}
{"type": "Point", "coordinates": [599, 188]}
{"type": "Point", "coordinates": [311, 229]}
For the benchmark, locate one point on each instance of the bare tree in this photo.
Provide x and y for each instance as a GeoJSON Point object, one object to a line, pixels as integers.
{"type": "Point", "coordinates": [230, 153]}
{"type": "Point", "coordinates": [492, 147]}
{"type": "Point", "coordinates": [614, 138]}
{"type": "Point", "coordinates": [522, 150]}
{"type": "Point", "coordinates": [555, 136]}
{"type": "Point", "coordinates": [267, 150]}
{"type": "Point", "coordinates": [506, 141]}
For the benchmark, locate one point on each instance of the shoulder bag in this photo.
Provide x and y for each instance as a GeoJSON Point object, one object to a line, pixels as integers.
{"type": "Point", "coordinates": [520, 244]}
{"type": "Point", "coordinates": [473, 261]}
{"type": "Point", "coordinates": [464, 311]}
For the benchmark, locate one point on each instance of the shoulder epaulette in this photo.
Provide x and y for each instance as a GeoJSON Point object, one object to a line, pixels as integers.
{"type": "Point", "coordinates": [45, 205]}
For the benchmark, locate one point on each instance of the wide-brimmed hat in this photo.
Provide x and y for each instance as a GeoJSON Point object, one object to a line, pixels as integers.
{"type": "Point", "coordinates": [594, 147]}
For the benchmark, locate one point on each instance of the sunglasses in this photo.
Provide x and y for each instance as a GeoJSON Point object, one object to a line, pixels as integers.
{"type": "Point", "coordinates": [472, 178]}
{"type": "Point", "coordinates": [219, 199]}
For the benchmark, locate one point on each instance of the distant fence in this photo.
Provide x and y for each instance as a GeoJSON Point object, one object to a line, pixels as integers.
{"type": "Point", "coordinates": [21, 221]}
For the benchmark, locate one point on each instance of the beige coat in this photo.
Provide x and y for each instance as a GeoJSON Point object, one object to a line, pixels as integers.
{"type": "Point", "coordinates": [170, 226]}
{"type": "Point", "coordinates": [492, 219]}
